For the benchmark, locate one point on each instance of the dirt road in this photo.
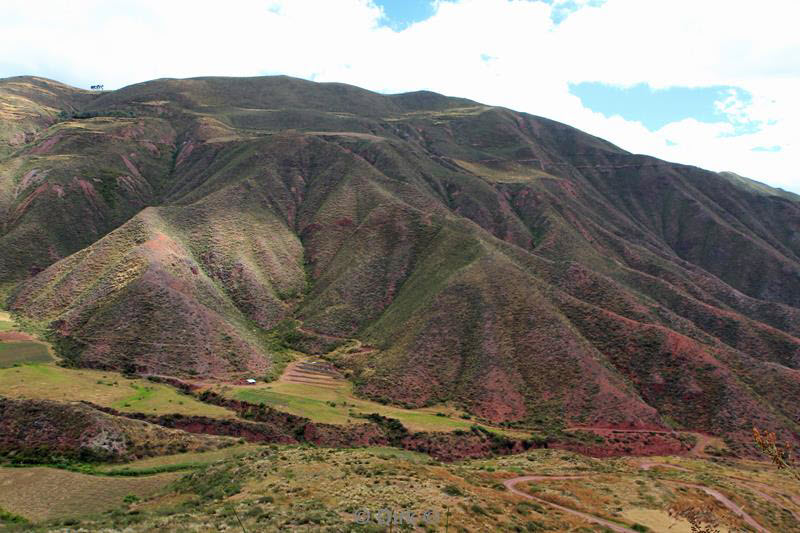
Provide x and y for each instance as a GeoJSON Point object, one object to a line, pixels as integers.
{"type": "Point", "coordinates": [733, 507]}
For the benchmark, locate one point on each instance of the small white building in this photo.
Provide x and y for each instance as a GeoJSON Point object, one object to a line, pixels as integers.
{"type": "Point", "coordinates": [250, 381]}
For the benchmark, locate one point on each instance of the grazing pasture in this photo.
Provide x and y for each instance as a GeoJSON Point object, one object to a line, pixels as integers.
{"type": "Point", "coordinates": [110, 389]}
{"type": "Point", "coordinates": [333, 402]}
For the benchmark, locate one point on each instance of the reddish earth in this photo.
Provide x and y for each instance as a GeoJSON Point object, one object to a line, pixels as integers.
{"type": "Point", "coordinates": [16, 336]}
{"type": "Point", "coordinates": [620, 443]}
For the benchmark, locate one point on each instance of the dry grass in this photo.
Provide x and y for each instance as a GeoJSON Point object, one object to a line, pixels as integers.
{"type": "Point", "coordinates": [40, 493]}
{"type": "Point", "coordinates": [302, 488]}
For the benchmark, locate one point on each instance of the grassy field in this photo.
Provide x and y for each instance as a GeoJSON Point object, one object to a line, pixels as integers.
{"type": "Point", "coordinates": [6, 324]}
{"type": "Point", "coordinates": [23, 352]}
{"type": "Point", "coordinates": [50, 382]}
{"type": "Point", "coordinates": [20, 351]}
{"type": "Point", "coordinates": [45, 493]}
{"type": "Point", "coordinates": [337, 406]}
{"type": "Point", "coordinates": [189, 460]}
{"type": "Point", "coordinates": [302, 488]}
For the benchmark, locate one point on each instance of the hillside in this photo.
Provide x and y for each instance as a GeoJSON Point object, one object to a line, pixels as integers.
{"type": "Point", "coordinates": [435, 249]}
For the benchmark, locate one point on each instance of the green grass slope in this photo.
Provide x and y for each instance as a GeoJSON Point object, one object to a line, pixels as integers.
{"type": "Point", "coordinates": [513, 266]}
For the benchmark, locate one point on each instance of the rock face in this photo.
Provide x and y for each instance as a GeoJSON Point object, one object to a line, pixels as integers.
{"type": "Point", "coordinates": [514, 266]}
{"type": "Point", "coordinates": [44, 431]}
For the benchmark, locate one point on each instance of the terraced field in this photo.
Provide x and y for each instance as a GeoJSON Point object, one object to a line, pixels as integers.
{"type": "Point", "coordinates": [314, 389]}
{"type": "Point", "coordinates": [182, 461]}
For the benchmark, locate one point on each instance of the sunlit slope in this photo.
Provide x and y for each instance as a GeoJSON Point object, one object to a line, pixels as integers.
{"type": "Point", "coordinates": [514, 266]}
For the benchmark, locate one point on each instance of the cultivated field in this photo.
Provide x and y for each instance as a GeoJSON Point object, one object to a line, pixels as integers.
{"type": "Point", "coordinates": [15, 352]}
{"type": "Point", "coordinates": [41, 493]}
{"type": "Point", "coordinates": [331, 401]}
{"type": "Point", "coordinates": [110, 389]}
{"type": "Point", "coordinates": [6, 324]}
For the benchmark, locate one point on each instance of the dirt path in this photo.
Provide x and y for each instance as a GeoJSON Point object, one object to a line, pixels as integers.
{"type": "Point", "coordinates": [724, 500]}
{"type": "Point", "coordinates": [648, 466]}
{"type": "Point", "coordinates": [510, 485]}
{"type": "Point", "coordinates": [738, 511]}
{"type": "Point", "coordinates": [703, 441]}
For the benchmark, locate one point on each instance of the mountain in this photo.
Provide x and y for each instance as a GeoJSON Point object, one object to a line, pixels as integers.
{"type": "Point", "coordinates": [440, 249]}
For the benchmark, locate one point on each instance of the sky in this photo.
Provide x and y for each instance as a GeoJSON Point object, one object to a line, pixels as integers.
{"type": "Point", "coordinates": [710, 83]}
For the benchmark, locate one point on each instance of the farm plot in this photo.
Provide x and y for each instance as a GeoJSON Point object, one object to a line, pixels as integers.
{"type": "Point", "coordinates": [41, 493]}
{"type": "Point", "coordinates": [313, 389]}
{"type": "Point", "coordinates": [110, 389]}
{"type": "Point", "coordinates": [18, 352]}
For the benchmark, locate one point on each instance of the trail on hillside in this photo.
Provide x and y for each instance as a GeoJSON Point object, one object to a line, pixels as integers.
{"type": "Point", "coordinates": [510, 484]}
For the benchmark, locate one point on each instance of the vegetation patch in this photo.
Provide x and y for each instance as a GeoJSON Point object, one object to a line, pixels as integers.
{"type": "Point", "coordinates": [42, 493]}
{"type": "Point", "coordinates": [338, 405]}
{"type": "Point", "coordinates": [18, 352]}
{"type": "Point", "coordinates": [110, 389]}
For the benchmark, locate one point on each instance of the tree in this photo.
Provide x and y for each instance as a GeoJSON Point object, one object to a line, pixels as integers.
{"type": "Point", "coordinates": [779, 454]}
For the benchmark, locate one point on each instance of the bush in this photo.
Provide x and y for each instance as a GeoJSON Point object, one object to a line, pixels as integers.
{"type": "Point", "coordinates": [11, 518]}
{"type": "Point", "coordinates": [477, 509]}
{"type": "Point", "coordinates": [452, 490]}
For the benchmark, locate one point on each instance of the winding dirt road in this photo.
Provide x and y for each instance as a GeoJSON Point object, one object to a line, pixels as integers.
{"type": "Point", "coordinates": [510, 484]}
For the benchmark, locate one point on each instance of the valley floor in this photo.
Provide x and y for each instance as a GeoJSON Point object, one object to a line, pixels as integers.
{"type": "Point", "coordinates": [300, 488]}
{"type": "Point", "coordinates": [303, 488]}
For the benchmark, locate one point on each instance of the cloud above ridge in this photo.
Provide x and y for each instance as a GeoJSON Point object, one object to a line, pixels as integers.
{"type": "Point", "coordinates": [516, 53]}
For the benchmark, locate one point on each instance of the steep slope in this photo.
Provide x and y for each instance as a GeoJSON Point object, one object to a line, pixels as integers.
{"type": "Point", "coordinates": [519, 268]}
{"type": "Point", "coordinates": [29, 105]}
{"type": "Point", "coordinates": [39, 431]}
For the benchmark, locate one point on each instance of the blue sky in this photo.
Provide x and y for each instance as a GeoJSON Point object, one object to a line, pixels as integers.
{"type": "Point", "coordinates": [399, 14]}
{"type": "Point", "coordinates": [709, 83]}
{"type": "Point", "coordinates": [655, 108]}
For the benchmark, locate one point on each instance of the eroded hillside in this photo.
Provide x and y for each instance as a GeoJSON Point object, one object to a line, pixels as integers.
{"type": "Point", "coordinates": [515, 267]}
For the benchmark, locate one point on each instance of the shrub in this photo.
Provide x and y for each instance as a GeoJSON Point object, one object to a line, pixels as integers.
{"type": "Point", "coordinates": [452, 490]}
{"type": "Point", "coordinates": [477, 509]}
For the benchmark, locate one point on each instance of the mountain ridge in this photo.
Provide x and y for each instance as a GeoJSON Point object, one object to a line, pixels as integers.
{"type": "Point", "coordinates": [529, 272]}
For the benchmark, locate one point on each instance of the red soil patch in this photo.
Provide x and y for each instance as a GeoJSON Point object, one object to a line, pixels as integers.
{"type": "Point", "coordinates": [16, 336]}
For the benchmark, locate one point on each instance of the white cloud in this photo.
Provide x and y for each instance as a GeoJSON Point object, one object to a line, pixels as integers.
{"type": "Point", "coordinates": [663, 43]}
